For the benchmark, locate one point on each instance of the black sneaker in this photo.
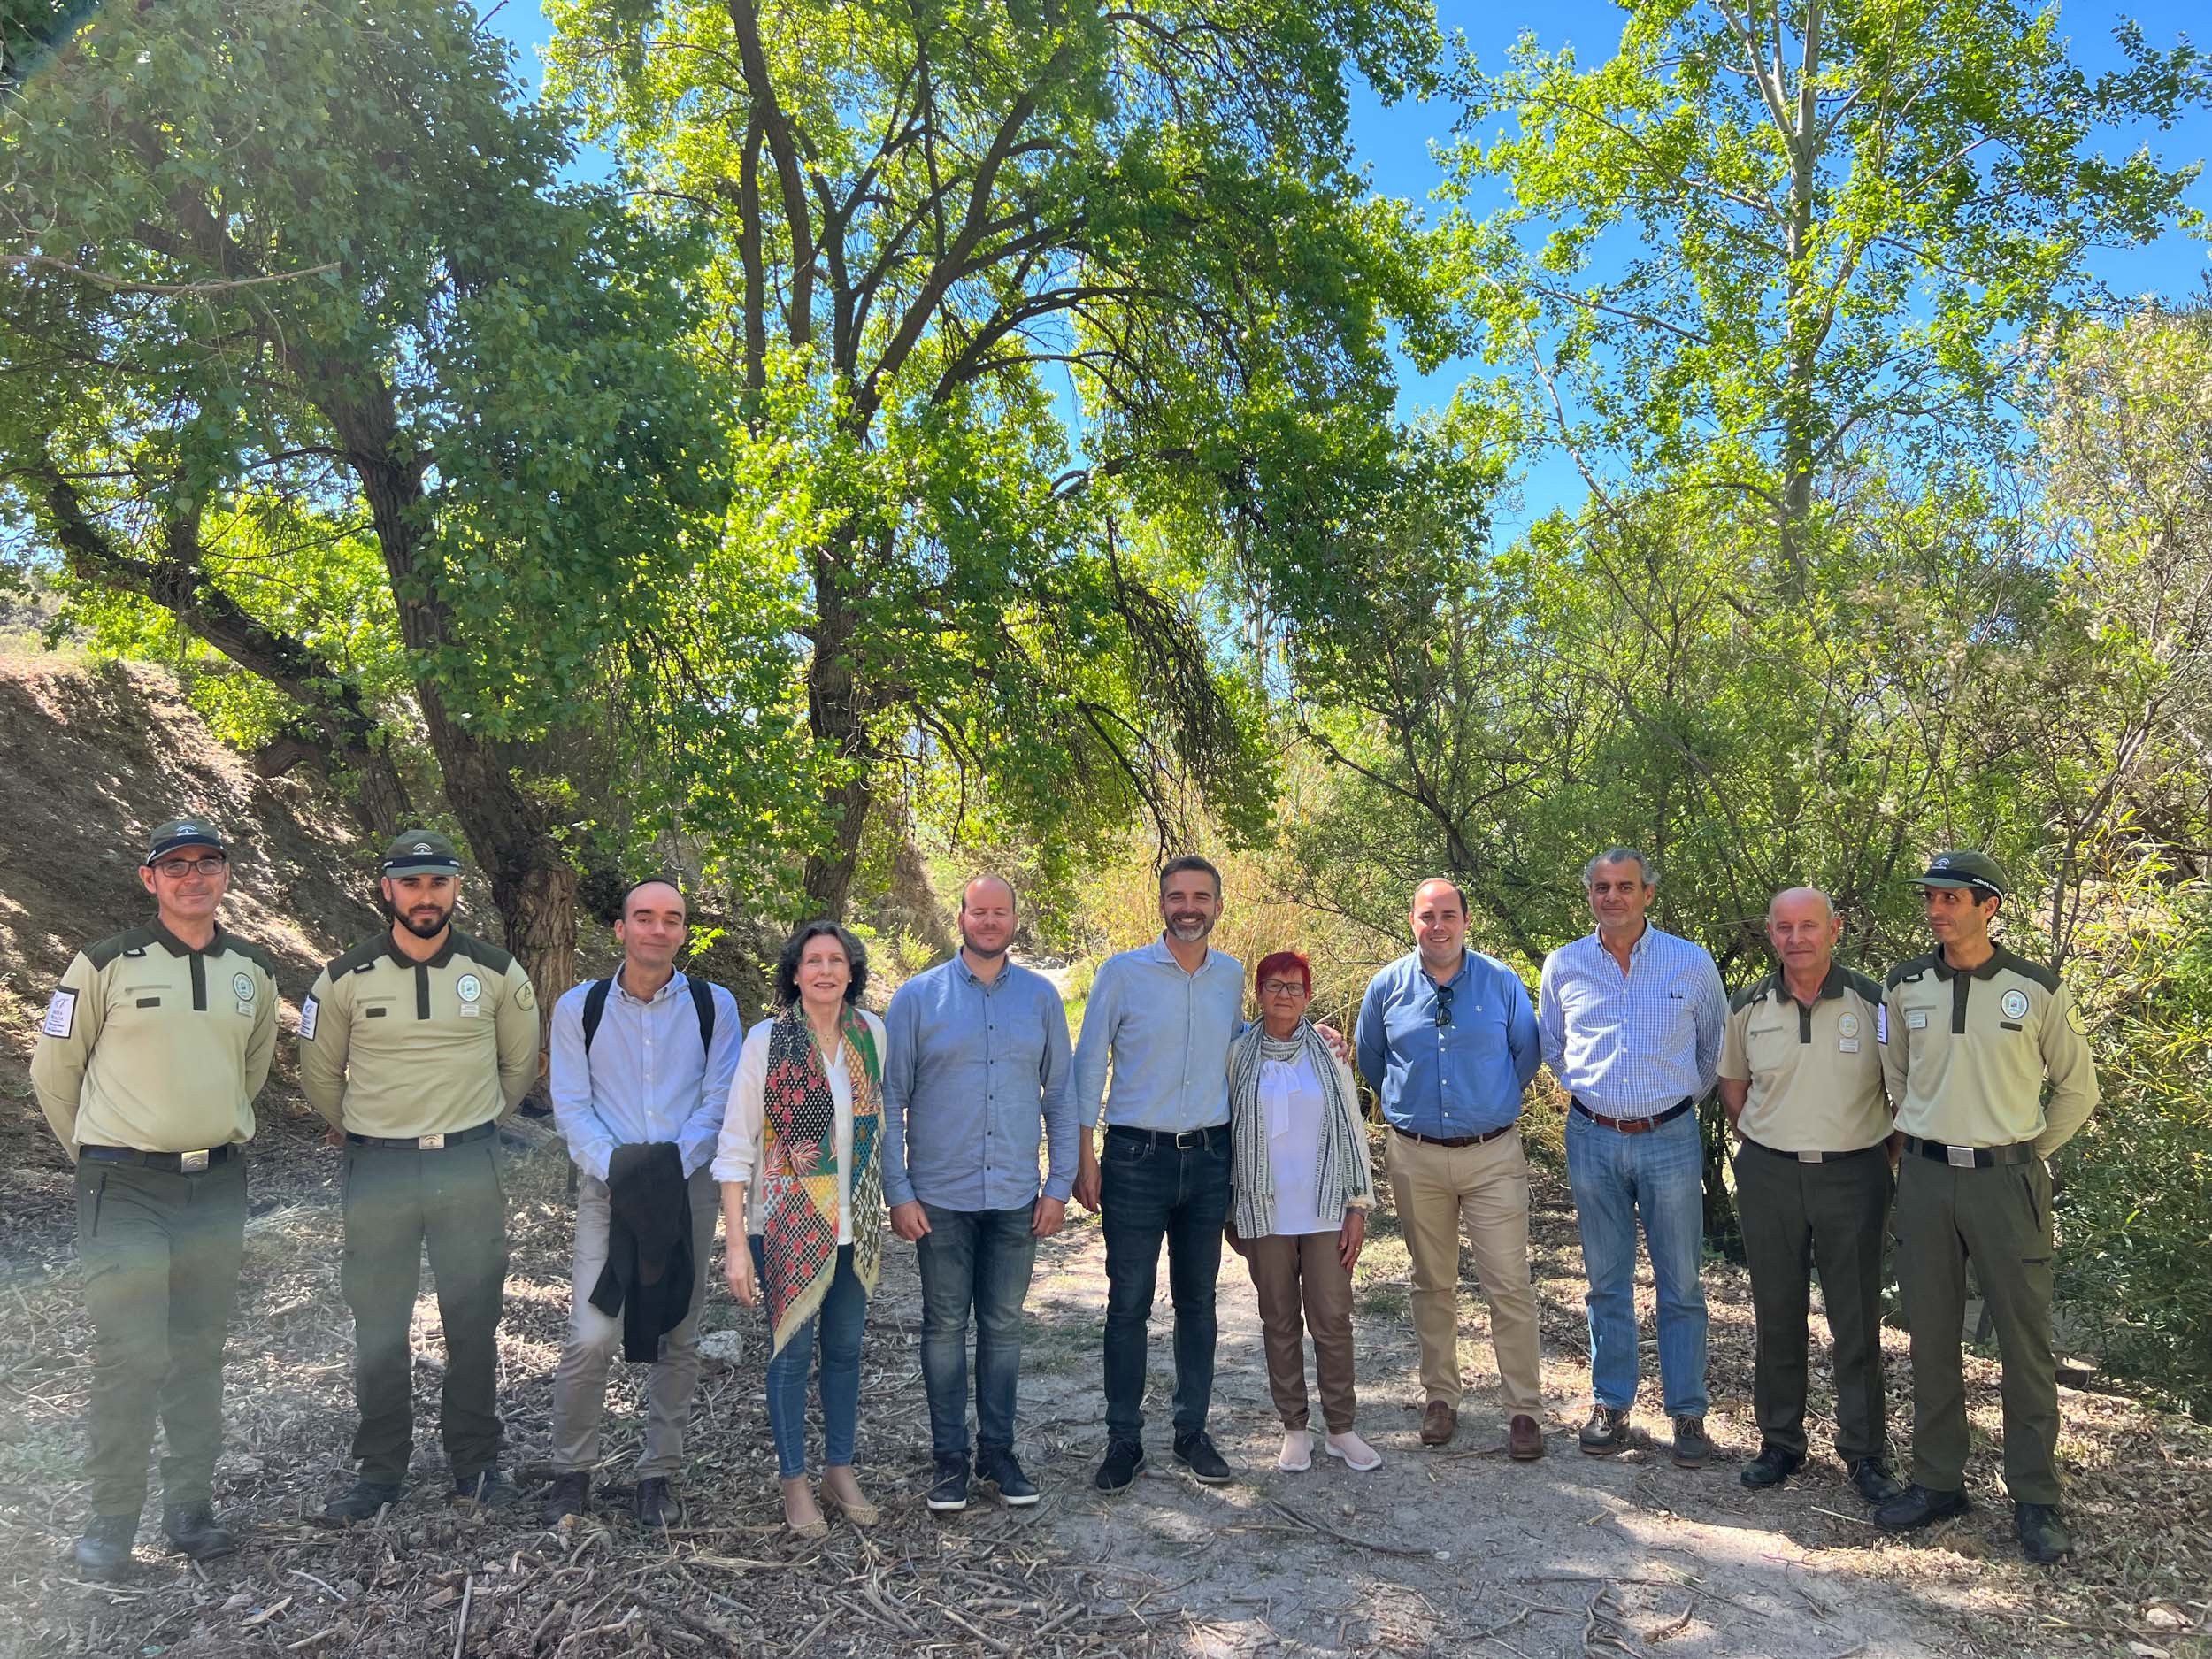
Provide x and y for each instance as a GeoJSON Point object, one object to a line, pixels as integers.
{"type": "Point", "coordinates": [1122, 1461]}
{"type": "Point", "coordinates": [191, 1531]}
{"type": "Point", "coordinates": [1606, 1432]}
{"type": "Point", "coordinates": [486, 1489]}
{"type": "Point", "coordinates": [366, 1501]}
{"type": "Point", "coordinates": [1196, 1454]}
{"type": "Point", "coordinates": [1916, 1506]}
{"type": "Point", "coordinates": [996, 1468]}
{"type": "Point", "coordinates": [104, 1551]}
{"type": "Point", "coordinates": [657, 1503]}
{"type": "Point", "coordinates": [2043, 1535]}
{"type": "Point", "coordinates": [949, 1488]}
{"type": "Point", "coordinates": [1770, 1468]}
{"type": "Point", "coordinates": [569, 1494]}
{"type": "Point", "coordinates": [1876, 1481]}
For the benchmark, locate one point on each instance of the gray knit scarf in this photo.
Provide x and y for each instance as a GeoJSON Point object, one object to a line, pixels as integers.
{"type": "Point", "coordinates": [1341, 1174]}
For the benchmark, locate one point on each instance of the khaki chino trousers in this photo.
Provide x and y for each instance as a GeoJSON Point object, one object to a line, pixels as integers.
{"type": "Point", "coordinates": [1484, 1189]}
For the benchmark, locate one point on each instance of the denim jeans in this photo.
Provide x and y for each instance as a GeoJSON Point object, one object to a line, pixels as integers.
{"type": "Point", "coordinates": [1660, 1175]}
{"type": "Point", "coordinates": [1148, 1192]}
{"type": "Point", "coordinates": [980, 1259]}
{"type": "Point", "coordinates": [838, 1320]}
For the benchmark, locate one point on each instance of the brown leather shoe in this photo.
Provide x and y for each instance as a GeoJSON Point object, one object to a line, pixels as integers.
{"type": "Point", "coordinates": [1439, 1423]}
{"type": "Point", "coordinates": [1523, 1440]}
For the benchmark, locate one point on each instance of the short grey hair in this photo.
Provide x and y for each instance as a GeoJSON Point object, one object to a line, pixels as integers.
{"type": "Point", "coordinates": [1644, 872]}
{"type": "Point", "coordinates": [1827, 904]}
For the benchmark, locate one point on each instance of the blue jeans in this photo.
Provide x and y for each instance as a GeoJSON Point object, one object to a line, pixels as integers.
{"type": "Point", "coordinates": [1149, 1192]}
{"type": "Point", "coordinates": [1661, 1176]}
{"type": "Point", "coordinates": [980, 1259]}
{"type": "Point", "coordinates": [838, 1320]}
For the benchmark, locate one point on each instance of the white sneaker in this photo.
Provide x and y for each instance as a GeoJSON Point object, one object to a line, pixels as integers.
{"type": "Point", "coordinates": [1356, 1452]}
{"type": "Point", "coordinates": [1297, 1454]}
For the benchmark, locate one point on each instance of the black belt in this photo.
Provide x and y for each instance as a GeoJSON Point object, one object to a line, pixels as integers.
{"type": "Point", "coordinates": [1970, 1157]}
{"type": "Point", "coordinates": [424, 1143]}
{"type": "Point", "coordinates": [1636, 1126]}
{"type": "Point", "coordinates": [1457, 1140]}
{"type": "Point", "coordinates": [1181, 1139]}
{"type": "Point", "coordinates": [180, 1163]}
{"type": "Point", "coordinates": [1807, 1157]}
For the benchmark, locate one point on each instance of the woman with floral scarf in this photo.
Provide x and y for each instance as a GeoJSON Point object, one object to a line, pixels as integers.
{"type": "Point", "coordinates": [799, 1139]}
{"type": "Point", "coordinates": [1301, 1185]}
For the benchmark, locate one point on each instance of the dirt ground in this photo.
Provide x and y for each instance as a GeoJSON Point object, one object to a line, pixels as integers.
{"type": "Point", "coordinates": [1450, 1552]}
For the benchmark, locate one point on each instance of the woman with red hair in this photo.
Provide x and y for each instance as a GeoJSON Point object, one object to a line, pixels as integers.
{"type": "Point", "coordinates": [1300, 1189]}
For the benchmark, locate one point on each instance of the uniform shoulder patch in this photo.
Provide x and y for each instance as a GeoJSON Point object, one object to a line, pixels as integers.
{"type": "Point", "coordinates": [61, 1015]}
{"type": "Point", "coordinates": [2034, 970]}
{"type": "Point", "coordinates": [1746, 997]}
{"type": "Point", "coordinates": [1905, 972]}
{"type": "Point", "coordinates": [489, 956]}
{"type": "Point", "coordinates": [108, 950]}
{"type": "Point", "coordinates": [361, 957]}
{"type": "Point", "coordinates": [310, 1014]}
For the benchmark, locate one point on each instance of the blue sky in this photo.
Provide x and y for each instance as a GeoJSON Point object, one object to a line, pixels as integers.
{"type": "Point", "coordinates": [1397, 145]}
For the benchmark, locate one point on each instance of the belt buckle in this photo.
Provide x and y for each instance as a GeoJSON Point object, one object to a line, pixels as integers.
{"type": "Point", "coordinates": [1959, 1157]}
{"type": "Point", "coordinates": [1186, 1139]}
{"type": "Point", "coordinates": [430, 1143]}
{"type": "Point", "coordinates": [192, 1163]}
{"type": "Point", "coordinates": [1808, 1158]}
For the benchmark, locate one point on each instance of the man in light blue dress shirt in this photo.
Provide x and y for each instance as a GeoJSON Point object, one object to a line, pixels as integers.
{"type": "Point", "coordinates": [1631, 1020]}
{"type": "Point", "coordinates": [977, 1075]}
{"type": "Point", "coordinates": [1448, 1041]}
{"type": "Point", "coordinates": [1161, 1017]}
{"type": "Point", "coordinates": [641, 1079]}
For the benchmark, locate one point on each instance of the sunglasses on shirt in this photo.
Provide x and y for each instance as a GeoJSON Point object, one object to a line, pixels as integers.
{"type": "Point", "coordinates": [1444, 1007]}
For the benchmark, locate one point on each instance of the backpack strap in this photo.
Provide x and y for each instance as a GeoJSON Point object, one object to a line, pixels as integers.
{"type": "Point", "coordinates": [702, 1001]}
{"type": "Point", "coordinates": [594, 1009]}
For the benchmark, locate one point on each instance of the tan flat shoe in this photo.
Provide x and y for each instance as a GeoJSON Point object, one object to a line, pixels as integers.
{"type": "Point", "coordinates": [859, 1511]}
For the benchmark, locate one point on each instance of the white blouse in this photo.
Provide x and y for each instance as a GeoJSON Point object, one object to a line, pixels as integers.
{"type": "Point", "coordinates": [1291, 1104]}
{"type": "Point", "coordinates": [738, 1152]}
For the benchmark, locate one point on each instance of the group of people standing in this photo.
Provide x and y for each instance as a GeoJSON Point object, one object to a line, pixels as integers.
{"type": "Point", "coordinates": [1181, 1123]}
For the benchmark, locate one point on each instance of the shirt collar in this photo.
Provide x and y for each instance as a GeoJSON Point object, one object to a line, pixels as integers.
{"type": "Point", "coordinates": [1157, 951]}
{"type": "Point", "coordinates": [1597, 940]}
{"type": "Point", "coordinates": [176, 946]}
{"type": "Point", "coordinates": [444, 956]}
{"type": "Point", "coordinates": [1421, 968]}
{"type": "Point", "coordinates": [1831, 985]}
{"type": "Point", "coordinates": [1998, 958]}
{"type": "Point", "coordinates": [676, 982]}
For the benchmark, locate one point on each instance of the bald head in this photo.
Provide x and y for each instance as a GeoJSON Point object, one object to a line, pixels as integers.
{"type": "Point", "coordinates": [1803, 927]}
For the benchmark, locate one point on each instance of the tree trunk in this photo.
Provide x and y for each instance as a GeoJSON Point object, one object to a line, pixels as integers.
{"type": "Point", "coordinates": [837, 720]}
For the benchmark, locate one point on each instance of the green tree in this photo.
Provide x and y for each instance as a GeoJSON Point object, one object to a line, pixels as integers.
{"type": "Point", "coordinates": [1068, 306]}
{"type": "Point", "coordinates": [1769, 239]}
{"type": "Point", "coordinates": [304, 267]}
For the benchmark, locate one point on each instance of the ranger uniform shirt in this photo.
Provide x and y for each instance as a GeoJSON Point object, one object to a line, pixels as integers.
{"type": "Point", "coordinates": [395, 1048]}
{"type": "Point", "coordinates": [1814, 1073]}
{"type": "Point", "coordinates": [150, 1044]}
{"type": "Point", "coordinates": [1968, 1052]}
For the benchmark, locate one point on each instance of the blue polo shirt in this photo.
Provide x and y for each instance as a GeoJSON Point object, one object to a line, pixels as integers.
{"type": "Point", "coordinates": [1465, 1078]}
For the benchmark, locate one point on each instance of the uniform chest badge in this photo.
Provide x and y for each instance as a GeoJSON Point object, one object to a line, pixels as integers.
{"type": "Point", "coordinates": [2015, 1003]}
{"type": "Point", "coordinates": [241, 987]}
{"type": "Point", "coordinates": [471, 991]}
{"type": "Point", "coordinates": [1848, 1026]}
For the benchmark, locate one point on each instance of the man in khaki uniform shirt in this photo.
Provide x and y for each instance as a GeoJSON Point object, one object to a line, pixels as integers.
{"type": "Point", "coordinates": [1801, 1078]}
{"type": "Point", "coordinates": [147, 1062]}
{"type": "Point", "coordinates": [1973, 1032]}
{"type": "Point", "coordinates": [414, 1044]}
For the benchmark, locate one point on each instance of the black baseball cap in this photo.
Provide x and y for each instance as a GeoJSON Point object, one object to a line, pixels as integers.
{"type": "Point", "coordinates": [172, 835]}
{"type": "Point", "coordinates": [1966, 869]}
{"type": "Point", "coordinates": [421, 853]}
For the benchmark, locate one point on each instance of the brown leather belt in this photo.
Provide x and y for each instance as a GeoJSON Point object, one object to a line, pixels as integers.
{"type": "Point", "coordinates": [1636, 1126]}
{"type": "Point", "coordinates": [1457, 1140]}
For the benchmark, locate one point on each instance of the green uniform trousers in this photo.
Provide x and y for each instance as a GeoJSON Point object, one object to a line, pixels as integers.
{"type": "Point", "coordinates": [159, 1253]}
{"type": "Point", "coordinates": [1999, 1218]}
{"type": "Point", "coordinates": [398, 1200]}
{"type": "Point", "coordinates": [1796, 1216]}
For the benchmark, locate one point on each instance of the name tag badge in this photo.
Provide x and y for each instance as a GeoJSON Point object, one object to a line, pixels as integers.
{"type": "Point", "coordinates": [1915, 1019]}
{"type": "Point", "coordinates": [1847, 1045]}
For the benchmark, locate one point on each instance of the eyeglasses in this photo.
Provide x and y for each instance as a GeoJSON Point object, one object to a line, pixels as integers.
{"type": "Point", "coordinates": [1444, 1007]}
{"type": "Point", "coordinates": [177, 869]}
{"type": "Point", "coordinates": [1283, 987]}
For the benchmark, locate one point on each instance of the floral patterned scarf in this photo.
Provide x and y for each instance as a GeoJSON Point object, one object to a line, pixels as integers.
{"type": "Point", "coordinates": [798, 1180]}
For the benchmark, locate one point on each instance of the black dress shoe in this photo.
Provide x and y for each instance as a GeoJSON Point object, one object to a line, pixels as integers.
{"type": "Point", "coordinates": [1196, 1454]}
{"type": "Point", "coordinates": [1876, 1481]}
{"type": "Point", "coordinates": [1916, 1506]}
{"type": "Point", "coordinates": [191, 1531]}
{"type": "Point", "coordinates": [1606, 1432]}
{"type": "Point", "coordinates": [366, 1501]}
{"type": "Point", "coordinates": [488, 1489]}
{"type": "Point", "coordinates": [104, 1551]}
{"type": "Point", "coordinates": [569, 1494]}
{"type": "Point", "coordinates": [996, 1468]}
{"type": "Point", "coordinates": [1122, 1461]}
{"type": "Point", "coordinates": [1771, 1467]}
{"type": "Point", "coordinates": [2043, 1535]}
{"type": "Point", "coordinates": [657, 1503]}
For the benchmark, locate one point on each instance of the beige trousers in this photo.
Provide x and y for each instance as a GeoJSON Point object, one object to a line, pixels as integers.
{"type": "Point", "coordinates": [579, 1382]}
{"type": "Point", "coordinates": [1297, 1273]}
{"type": "Point", "coordinates": [1483, 1188]}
